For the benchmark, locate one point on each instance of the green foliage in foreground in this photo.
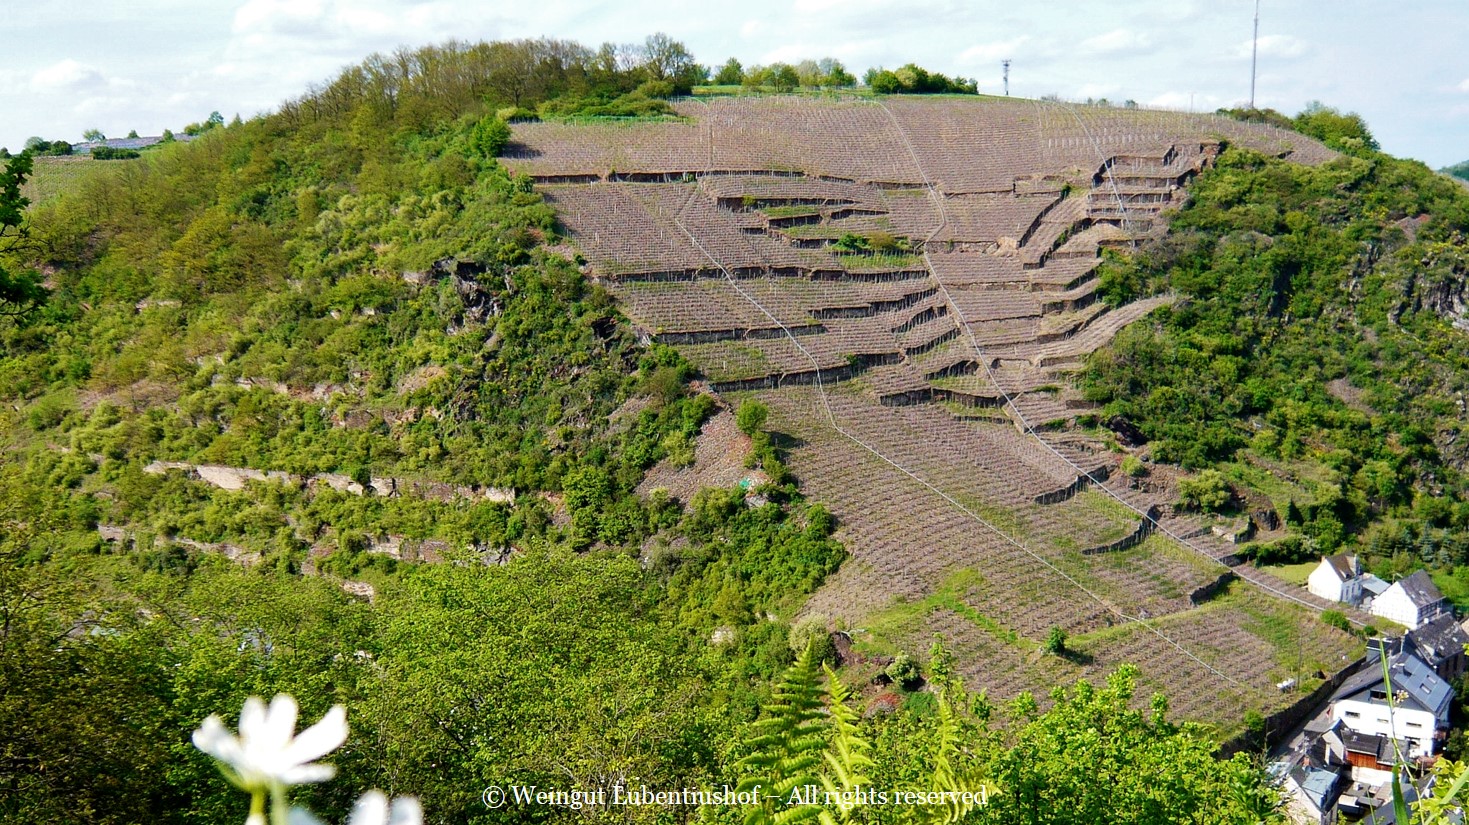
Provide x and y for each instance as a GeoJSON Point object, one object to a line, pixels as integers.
{"type": "Point", "coordinates": [361, 290]}
{"type": "Point", "coordinates": [20, 292]}
{"type": "Point", "coordinates": [559, 670]}
{"type": "Point", "coordinates": [109, 153]}
{"type": "Point", "coordinates": [1046, 769]}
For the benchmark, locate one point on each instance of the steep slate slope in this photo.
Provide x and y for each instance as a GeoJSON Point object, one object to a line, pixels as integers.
{"type": "Point", "coordinates": [919, 375]}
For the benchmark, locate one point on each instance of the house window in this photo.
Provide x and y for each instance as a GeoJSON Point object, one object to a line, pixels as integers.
{"type": "Point", "coordinates": [1379, 695]}
{"type": "Point", "coordinates": [1415, 724]}
{"type": "Point", "coordinates": [1352, 714]}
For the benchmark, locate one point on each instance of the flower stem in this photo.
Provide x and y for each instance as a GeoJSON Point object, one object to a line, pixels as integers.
{"type": "Point", "coordinates": [257, 808]}
{"type": "Point", "coordinates": [278, 809]}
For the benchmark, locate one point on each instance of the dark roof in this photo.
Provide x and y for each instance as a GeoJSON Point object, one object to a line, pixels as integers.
{"type": "Point", "coordinates": [1382, 748]}
{"type": "Point", "coordinates": [1418, 687]}
{"type": "Point", "coordinates": [1420, 589]}
{"type": "Point", "coordinates": [1439, 640]}
{"type": "Point", "coordinates": [1370, 743]}
{"type": "Point", "coordinates": [1342, 565]}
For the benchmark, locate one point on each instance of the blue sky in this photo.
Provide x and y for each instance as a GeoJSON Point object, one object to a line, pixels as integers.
{"type": "Point", "coordinates": [153, 64]}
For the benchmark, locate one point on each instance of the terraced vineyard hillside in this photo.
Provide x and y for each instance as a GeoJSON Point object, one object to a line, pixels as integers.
{"type": "Point", "coordinates": [907, 284]}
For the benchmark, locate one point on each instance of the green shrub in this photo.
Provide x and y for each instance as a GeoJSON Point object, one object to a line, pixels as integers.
{"type": "Point", "coordinates": [489, 137]}
{"type": "Point", "coordinates": [1207, 492]}
{"type": "Point", "coordinates": [751, 416]}
{"type": "Point", "coordinates": [811, 632]}
{"type": "Point", "coordinates": [903, 670]}
{"type": "Point", "coordinates": [1133, 467]}
{"type": "Point", "coordinates": [1056, 642]}
{"type": "Point", "coordinates": [517, 114]}
{"type": "Point", "coordinates": [913, 79]}
{"type": "Point", "coordinates": [882, 241]}
{"type": "Point", "coordinates": [109, 153]}
{"type": "Point", "coordinates": [1288, 550]}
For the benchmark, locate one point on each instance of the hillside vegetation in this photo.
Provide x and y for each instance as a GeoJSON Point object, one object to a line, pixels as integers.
{"type": "Point", "coordinates": [354, 290]}
{"type": "Point", "coordinates": [1318, 360]}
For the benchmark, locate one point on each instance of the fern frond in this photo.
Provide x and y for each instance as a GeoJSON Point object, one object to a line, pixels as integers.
{"type": "Point", "coordinates": [847, 757]}
{"type": "Point", "coordinates": [786, 747]}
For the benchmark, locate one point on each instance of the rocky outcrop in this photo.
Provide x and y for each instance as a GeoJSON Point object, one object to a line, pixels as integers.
{"type": "Point", "coordinates": [236, 478]}
{"type": "Point", "coordinates": [466, 276]}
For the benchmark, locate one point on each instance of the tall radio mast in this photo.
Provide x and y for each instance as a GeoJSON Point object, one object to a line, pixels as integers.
{"type": "Point", "coordinates": [1254, 52]}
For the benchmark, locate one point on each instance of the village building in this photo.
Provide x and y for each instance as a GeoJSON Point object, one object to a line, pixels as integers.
{"type": "Point", "coordinates": [1338, 578]}
{"type": "Point", "coordinates": [1411, 601]}
{"type": "Point", "coordinates": [1417, 717]}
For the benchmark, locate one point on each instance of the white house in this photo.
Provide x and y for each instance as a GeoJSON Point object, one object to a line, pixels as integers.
{"type": "Point", "coordinates": [1411, 602]}
{"type": "Point", "coordinates": [1338, 578]}
{"type": "Point", "coordinates": [1419, 710]}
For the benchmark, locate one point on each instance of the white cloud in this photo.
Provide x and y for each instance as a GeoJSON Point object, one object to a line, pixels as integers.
{"type": "Point", "coordinates": [1281, 46]}
{"type": "Point", "coordinates": [353, 27]}
{"type": "Point", "coordinates": [248, 55]}
{"type": "Point", "coordinates": [1115, 41]}
{"type": "Point", "coordinates": [276, 48]}
{"type": "Point", "coordinates": [279, 17]}
{"type": "Point", "coordinates": [1185, 101]}
{"type": "Point", "coordinates": [1096, 90]}
{"type": "Point", "coordinates": [67, 75]}
{"type": "Point", "coordinates": [849, 52]}
{"type": "Point", "coordinates": [818, 6]}
{"type": "Point", "coordinates": [986, 54]}
{"type": "Point", "coordinates": [1175, 11]}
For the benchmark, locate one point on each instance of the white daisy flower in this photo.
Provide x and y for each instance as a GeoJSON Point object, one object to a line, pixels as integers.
{"type": "Point", "coordinates": [267, 753]}
{"type": "Point", "coordinates": [372, 809]}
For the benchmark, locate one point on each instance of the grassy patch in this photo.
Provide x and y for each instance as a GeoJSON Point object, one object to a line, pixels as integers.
{"type": "Point", "coordinates": [951, 595]}
{"type": "Point", "coordinates": [1088, 519]}
{"type": "Point", "coordinates": [813, 230]}
{"type": "Point", "coordinates": [1111, 507]}
{"type": "Point", "coordinates": [973, 413]}
{"type": "Point", "coordinates": [1281, 481]}
{"type": "Point", "coordinates": [1003, 519]}
{"type": "Point", "coordinates": [1454, 584]}
{"type": "Point", "coordinates": [727, 360]}
{"type": "Point", "coordinates": [789, 211]}
{"type": "Point", "coordinates": [901, 260]}
{"type": "Point", "coordinates": [1298, 573]}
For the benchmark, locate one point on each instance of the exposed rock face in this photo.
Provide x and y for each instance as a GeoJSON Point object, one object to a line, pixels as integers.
{"type": "Point", "coordinates": [466, 276]}
{"type": "Point", "coordinates": [1128, 435]}
{"type": "Point", "coordinates": [236, 478]}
